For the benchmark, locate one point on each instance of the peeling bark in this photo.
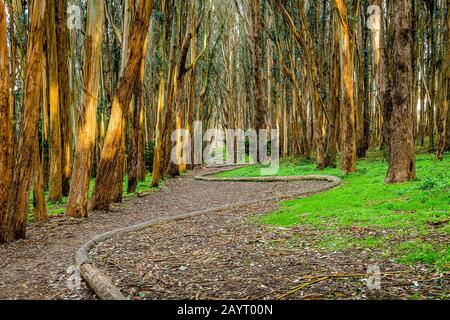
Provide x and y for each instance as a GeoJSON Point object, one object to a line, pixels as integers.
{"type": "Point", "coordinates": [402, 164]}
{"type": "Point", "coordinates": [77, 205]}
{"type": "Point", "coordinates": [18, 201]}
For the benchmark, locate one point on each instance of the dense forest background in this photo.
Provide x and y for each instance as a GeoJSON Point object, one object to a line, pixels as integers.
{"type": "Point", "coordinates": [94, 89]}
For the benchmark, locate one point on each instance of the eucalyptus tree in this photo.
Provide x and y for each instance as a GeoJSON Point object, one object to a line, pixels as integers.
{"type": "Point", "coordinates": [18, 200]}
{"type": "Point", "coordinates": [77, 205]}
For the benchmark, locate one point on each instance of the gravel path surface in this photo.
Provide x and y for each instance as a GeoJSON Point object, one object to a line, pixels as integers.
{"type": "Point", "coordinates": [40, 266]}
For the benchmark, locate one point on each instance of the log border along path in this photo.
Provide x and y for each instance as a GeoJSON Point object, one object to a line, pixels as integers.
{"type": "Point", "coordinates": [102, 285]}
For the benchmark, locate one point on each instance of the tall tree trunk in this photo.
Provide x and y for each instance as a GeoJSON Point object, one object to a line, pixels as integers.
{"type": "Point", "coordinates": [175, 91]}
{"type": "Point", "coordinates": [55, 192]}
{"type": "Point", "coordinates": [432, 78]}
{"type": "Point", "coordinates": [77, 205]}
{"type": "Point", "coordinates": [381, 70]}
{"type": "Point", "coordinates": [402, 164]}
{"type": "Point", "coordinates": [162, 105]}
{"type": "Point", "coordinates": [335, 98]}
{"type": "Point", "coordinates": [117, 184]}
{"type": "Point", "coordinates": [368, 76]}
{"type": "Point", "coordinates": [348, 150]}
{"type": "Point", "coordinates": [18, 201]}
{"type": "Point", "coordinates": [360, 41]}
{"type": "Point", "coordinates": [73, 88]}
{"type": "Point", "coordinates": [192, 88]}
{"type": "Point", "coordinates": [108, 165]}
{"type": "Point", "coordinates": [444, 93]}
{"type": "Point", "coordinates": [260, 103]}
{"type": "Point", "coordinates": [414, 46]}
{"type": "Point", "coordinates": [6, 162]}
{"type": "Point", "coordinates": [135, 125]}
{"type": "Point", "coordinates": [159, 129]}
{"type": "Point", "coordinates": [64, 93]}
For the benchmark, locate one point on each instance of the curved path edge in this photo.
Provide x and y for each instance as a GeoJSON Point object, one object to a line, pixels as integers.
{"type": "Point", "coordinates": [102, 285]}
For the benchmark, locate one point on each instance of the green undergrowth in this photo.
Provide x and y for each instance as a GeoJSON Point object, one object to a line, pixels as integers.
{"type": "Point", "coordinates": [411, 220]}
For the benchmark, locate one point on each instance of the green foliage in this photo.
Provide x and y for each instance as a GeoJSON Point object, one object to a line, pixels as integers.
{"type": "Point", "coordinates": [417, 251]}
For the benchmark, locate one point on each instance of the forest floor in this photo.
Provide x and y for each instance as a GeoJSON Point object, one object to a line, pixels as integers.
{"type": "Point", "coordinates": [40, 266]}
{"type": "Point", "coordinates": [229, 255]}
{"type": "Point", "coordinates": [328, 246]}
{"type": "Point", "coordinates": [320, 247]}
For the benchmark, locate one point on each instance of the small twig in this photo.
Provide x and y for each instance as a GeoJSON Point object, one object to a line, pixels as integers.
{"type": "Point", "coordinates": [297, 289]}
{"type": "Point", "coordinates": [324, 277]}
{"type": "Point", "coordinates": [356, 275]}
{"type": "Point", "coordinates": [311, 297]}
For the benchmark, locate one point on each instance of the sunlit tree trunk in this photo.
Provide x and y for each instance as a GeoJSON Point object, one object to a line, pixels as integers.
{"type": "Point", "coordinates": [348, 150]}
{"type": "Point", "coordinates": [5, 121]}
{"type": "Point", "coordinates": [18, 201]}
{"type": "Point", "coordinates": [55, 192]}
{"type": "Point", "coordinates": [160, 110]}
{"type": "Point", "coordinates": [77, 205]}
{"type": "Point", "coordinates": [73, 89]}
{"type": "Point", "coordinates": [135, 125]}
{"type": "Point", "coordinates": [402, 165]}
{"type": "Point", "coordinates": [381, 71]}
{"type": "Point", "coordinates": [64, 93]}
{"type": "Point", "coordinates": [143, 111]}
{"type": "Point", "coordinates": [159, 128]}
{"type": "Point", "coordinates": [117, 184]}
{"type": "Point", "coordinates": [335, 97]}
{"type": "Point", "coordinates": [175, 94]}
{"type": "Point", "coordinates": [108, 166]}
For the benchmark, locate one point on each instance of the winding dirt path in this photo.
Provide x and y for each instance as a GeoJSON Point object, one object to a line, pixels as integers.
{"type": "Point", "coordinates": [39, 267]}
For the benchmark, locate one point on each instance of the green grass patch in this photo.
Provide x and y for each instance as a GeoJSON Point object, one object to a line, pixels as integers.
{"type": "Point", "coordinates": [416, 209]}
{"type": "Point", "coordinates": [417, 251]}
